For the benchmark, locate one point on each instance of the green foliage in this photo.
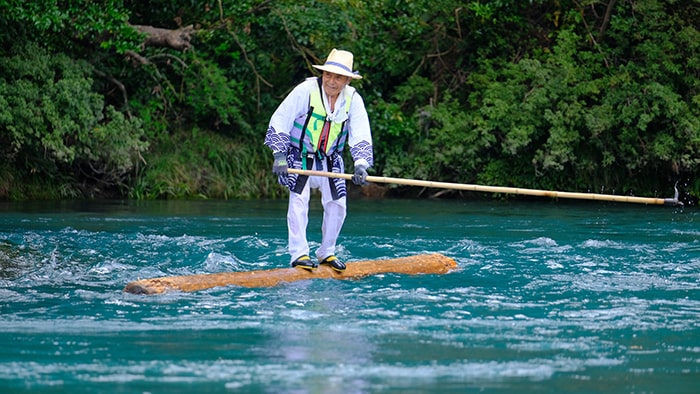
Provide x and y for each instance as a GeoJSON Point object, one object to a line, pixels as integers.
{"type": "Point", "coordinates": [566, 111]}
{"type": "Point", "coordinates": [214, 99]}
{"type": "Point", "coordinates": [54, 122]}
{"type": "Point", "coordinates": [537, 110]}
{"type": "Point", "coordinates": [540, 93]}
{"type": "Point", "coordinates": [201, 164]}
{"type": "Point", "coordinates": [56, 23]}
{"type": "Point", "coordinates": [188, 91]}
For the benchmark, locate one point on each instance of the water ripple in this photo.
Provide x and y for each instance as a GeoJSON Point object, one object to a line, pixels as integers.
{"type": "Point", "coordinates": [552, 299]}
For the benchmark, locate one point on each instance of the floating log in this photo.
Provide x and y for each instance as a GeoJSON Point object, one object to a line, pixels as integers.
{"type": "Point", "coordinates": [418, 264]}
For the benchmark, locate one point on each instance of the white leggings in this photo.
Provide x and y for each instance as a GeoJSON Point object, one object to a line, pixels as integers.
{"type": "Point", "coordinates": [298, 218]}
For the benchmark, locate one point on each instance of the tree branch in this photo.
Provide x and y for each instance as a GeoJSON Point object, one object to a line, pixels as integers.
{"type": "Point", "coordinates": [121, 88]}
{"type": "Point", "coordinates": [258, 77]}
{"type": "Point", "coordinates": [178, 39]}
{"type": "Point", "coordinates": [606, 20]}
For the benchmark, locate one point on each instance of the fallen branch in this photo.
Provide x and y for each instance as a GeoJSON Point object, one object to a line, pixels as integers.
{"type": "Point", "coordinates": [178, 39]}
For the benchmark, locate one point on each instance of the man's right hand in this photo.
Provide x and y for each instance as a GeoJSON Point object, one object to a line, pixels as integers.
{"type": "Point", "coordinates": [279, 165]}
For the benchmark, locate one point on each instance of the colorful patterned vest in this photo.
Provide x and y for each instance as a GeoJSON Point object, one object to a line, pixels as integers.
{"type": "Point", "coordinates": [314, 133]}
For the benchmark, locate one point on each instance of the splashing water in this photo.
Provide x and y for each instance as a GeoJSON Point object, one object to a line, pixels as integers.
{"type": "Point", "coordinates": [548, 297]}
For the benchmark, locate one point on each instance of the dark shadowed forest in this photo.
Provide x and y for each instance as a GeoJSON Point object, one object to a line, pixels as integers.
{"type": "Point", "coordinates": [171, 99]}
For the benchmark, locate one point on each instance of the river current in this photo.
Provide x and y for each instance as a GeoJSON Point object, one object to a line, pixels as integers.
{"type": "Point", "coordinates": [548, 297]}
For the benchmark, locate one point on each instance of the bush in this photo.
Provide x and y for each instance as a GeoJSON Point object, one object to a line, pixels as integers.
{"type": "Point", "coordinates": [204, 164]}
{"type": "Point", "coordinates": [56, 124]}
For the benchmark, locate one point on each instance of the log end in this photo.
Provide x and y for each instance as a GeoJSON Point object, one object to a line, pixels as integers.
{"type": "Point", "coordinates": [146, 287]}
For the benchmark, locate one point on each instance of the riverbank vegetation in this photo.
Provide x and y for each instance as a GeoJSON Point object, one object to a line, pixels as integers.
{"type": "Point", "coordinates": [171, 99]}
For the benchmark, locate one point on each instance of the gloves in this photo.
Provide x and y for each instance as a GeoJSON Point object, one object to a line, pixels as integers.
{"type": "Point", "coordinates": [360, 177]}
{"type": "Point", "coordinates": [279, 165]}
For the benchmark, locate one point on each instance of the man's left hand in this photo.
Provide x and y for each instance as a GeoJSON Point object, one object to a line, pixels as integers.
{"type": "Point", "coordinates": [360, 176]}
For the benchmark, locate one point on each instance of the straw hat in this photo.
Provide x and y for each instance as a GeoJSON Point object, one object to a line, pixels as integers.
{"type": "Point", "coordinates": [339, 62]}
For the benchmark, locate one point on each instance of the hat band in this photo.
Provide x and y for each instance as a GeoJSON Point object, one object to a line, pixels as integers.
{"type": "Point", "coordinates": [344, 67]}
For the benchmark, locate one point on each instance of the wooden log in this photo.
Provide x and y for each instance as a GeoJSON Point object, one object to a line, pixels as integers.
{"type": "Point", "coordinates": [418, 264]}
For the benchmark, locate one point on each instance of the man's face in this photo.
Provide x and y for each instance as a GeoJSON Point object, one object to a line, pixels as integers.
{"type": "Point", "coordinates": [334, 83]}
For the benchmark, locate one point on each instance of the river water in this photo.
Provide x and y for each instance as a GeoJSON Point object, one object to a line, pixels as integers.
{"type": "Point", "coordinates": [548, 297]}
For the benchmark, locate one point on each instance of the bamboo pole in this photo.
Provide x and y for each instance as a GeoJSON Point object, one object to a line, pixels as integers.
{"type": "Point", "coordinates": [418, 264]}
{"type": "Point", "coordinates": [498, 189]}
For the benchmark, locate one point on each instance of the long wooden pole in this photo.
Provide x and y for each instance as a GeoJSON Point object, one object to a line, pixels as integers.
{"type": "Point", "coordinates": [498, 189]}
{"type": "Point", "coordinates": [434, 263]}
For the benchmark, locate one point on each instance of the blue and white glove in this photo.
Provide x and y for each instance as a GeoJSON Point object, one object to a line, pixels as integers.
{"type": "Point", "coordinates": [279, 165]}
{"type": "Point", "coordinates": [360, 176]}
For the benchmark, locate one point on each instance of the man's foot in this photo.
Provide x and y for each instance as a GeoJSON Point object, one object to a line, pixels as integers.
{"type": "Point", "coordinates": [334, 263]}
{"type": "Point", "coordinates": [305, 262]}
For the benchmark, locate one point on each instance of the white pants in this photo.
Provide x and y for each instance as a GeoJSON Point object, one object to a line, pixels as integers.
{"type": "Point", "coordinates": [298, 218]}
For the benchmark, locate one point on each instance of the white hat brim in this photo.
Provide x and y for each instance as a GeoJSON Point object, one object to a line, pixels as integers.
{"type": "Point", "coordinates": [336, 70]}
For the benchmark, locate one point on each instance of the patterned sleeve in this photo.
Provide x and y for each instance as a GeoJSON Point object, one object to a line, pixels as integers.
{"type": "Point", "coordinates": [359, 133]}
{"type": "Point", "coordinates": [278, 142]}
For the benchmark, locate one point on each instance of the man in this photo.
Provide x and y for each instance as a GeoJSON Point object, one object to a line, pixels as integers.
{"type": "Point", "coordinates": [309, 130]}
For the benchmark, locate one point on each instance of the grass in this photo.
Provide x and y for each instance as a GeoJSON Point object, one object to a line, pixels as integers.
{"type": "Point", "coordinates": [203, 164]}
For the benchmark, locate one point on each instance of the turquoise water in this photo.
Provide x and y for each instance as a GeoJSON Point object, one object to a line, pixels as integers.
{"type": "Point", "coordinates": [549, 297]}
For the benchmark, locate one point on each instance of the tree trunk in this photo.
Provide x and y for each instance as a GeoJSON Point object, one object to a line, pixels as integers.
{"type": "Point", "coordinates": [178, 39]}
